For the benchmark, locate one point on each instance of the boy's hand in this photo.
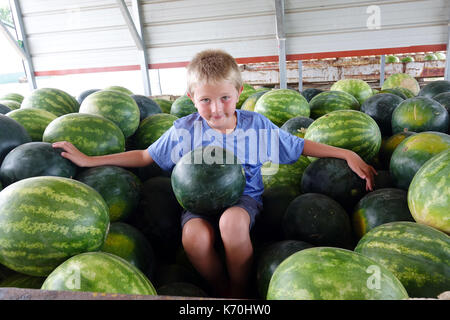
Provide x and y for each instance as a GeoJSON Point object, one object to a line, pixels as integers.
{"type": "Point", "coordinates": [362, 169]}
{"type": "Point", "coordinates": [72, 153]}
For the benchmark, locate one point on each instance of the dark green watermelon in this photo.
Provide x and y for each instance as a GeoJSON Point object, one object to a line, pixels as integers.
{"type": "Point", "coordinates": [4, 109]}
{"type": "Point", "coordinates": [334, 178]}
{"type": "Point", "coordinates": [167, 273]}
{"type": "Point", "coordinates": [147, 106]}
{"type": "Point", "coordinates": [317, 219]}
{"type": "Point", "coordinates": [270, 258]}
{"type": "Point", "coordinates": [12, 134]}
{"type": "Point", "coordinates": [379, 207]}
{"type": "Point", "coordinates": [207, 180]}
{"type": "Point", "coordinates": [395, 91]}
{"type": "Point", "coordinates": [34, 159]}
{"type": "Point", "coordinates": [24, 281]}
{"type": "Point", "coordinates": [84, 94]}
{"type": "Point", "coordinates": [434, 88]}
{"type": "Point", "coordinates": [380, 108]}
{"type": "Point", "coordinates": [382, 180]}
{"type": "Point", "coordinates": [444, 99]}
{"type": "Point", "coordinates": [310, 93]}
{"type": "Point", "coordinates": [297, 126]}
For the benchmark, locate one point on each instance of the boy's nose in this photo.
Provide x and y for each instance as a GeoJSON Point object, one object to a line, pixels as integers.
{"type": "Point", "coordinates": [215, 107]}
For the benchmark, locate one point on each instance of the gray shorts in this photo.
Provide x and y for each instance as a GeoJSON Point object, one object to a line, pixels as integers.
{"type": "Point", "coordinates": [249, 204]}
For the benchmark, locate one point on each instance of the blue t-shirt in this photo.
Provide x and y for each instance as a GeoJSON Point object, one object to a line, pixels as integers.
{"type": "Point", "coordinates": [254, 141]}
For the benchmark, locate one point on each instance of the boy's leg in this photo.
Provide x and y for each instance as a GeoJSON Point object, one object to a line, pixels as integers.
{"type": "Point", "coordinates": [198, 242]}
{"type": "Point", "coordinates": [234, 227]}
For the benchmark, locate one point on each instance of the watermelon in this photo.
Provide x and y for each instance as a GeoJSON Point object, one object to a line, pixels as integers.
{"type": "Point", "coordinates": [247, 91]}
{"type": "Point", "coordinates": [147, 106]}
{"type": "Point", "coordinates": [324, 273]}
{"type": "Point", "coordinates": [297, 126]}
{"type": "Point", "coordinates": [34, 159]}
{"type": "Point", "coordinates": [392, 59]}
{"type": "Point", "coordinates": [207, 180]}
{"type": "Point", "coordinates": [420, 114]}
{"type": "Point", "coordinates": [418, 255]}
{"type": "Point", "coordinates": [379, 207]}
{"type": "Point", "coordinates": [12, 134]}
{"type": "Point", "coordinates": [91, 134]}
{"type": "Point", "coordinates": [407, 92]}
{"type": "Point", "coordinates": [440, 55]}
{"type": "Point", "coordinates": [33, 120]}
{"type": "Point", "coordinates": [168, 273]}
{"type": "Point", "coordinates": [4, 109]}
{"type": "Point", "coordinates": [412, 153]}
{"type": "Point", "coordinates": [250, 102]}
{"type": "Point", "coordinates": [334, 178]}
{"type": "Point", "coordinates": [434, 88]}
{"type": "Point", "coordinates": [12, 96]}
{"type": "Point", "coordinates": [80, 98]}
{"type": "Point", "coordinates": [289, 175]}
{"type": "Point", "coordinates": [310, 93]}
{"type": "Point", "coordinates": [356, 87]}
{"type": "Point", "coordinates": [317, 219]}
{"type": "Point", "coordinates": [119, 188]}
{"type": "Point", "coordinates": [158, 216]}
{"type": "Point", "coordinates": [388, 146]}
{"type": "Point", "coordinates": [152, 128]}
{"type": "Point", "coordinates": [24, 281]}
{"type": "Point", "coordinates": [444, 99]}
{"type": "Point", "coordinates": [280, 105]}
{"type": "Point", "coordinates": [380, 108]}
{"type": "Point", "coordinates": [182, 289]}
{"type": "Point", "coordinates": [119, 89]}
{"type": "Point", "coordinates": [329, 101]}
{"type": "Point", "coordinates": [45, 220]}
{"type": "Point", "coordinates": [348, 129]}
{"type": "Point", "coordinates": [271, 257]}
{"type": "Point", "coordinates": [99, 272]}
{"type": "Point", "coordinates": [402, 80]}
{"type": "Point", "coordinates": [182, 106]}
{"type": "Point", "coordinates": [164, 104]}
{"type": "Point", "coordinates": [118, 107]}
{"type": "Point", "coordinates": [395, 91]}
{"type": "Point", "coordinates": [429, 192]}
{"type": "Point", "coordinates": [430, 57]}
{"type": "Point", "coordinates": [382, 180]}
{"type": "Point", "coordinates": [53, 100]}
{"type": "Point", "coordinates": [129, 243]}
{"type": "Point", "coordinates": [12, 104]}
{"type": "Point", "coordinates": [407, 59]}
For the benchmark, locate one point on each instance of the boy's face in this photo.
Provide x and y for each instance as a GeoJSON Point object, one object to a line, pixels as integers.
{"type": "Point", "coordinates": [216, 103]}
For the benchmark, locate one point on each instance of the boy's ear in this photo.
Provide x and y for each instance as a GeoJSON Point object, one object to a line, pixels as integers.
{"type": "Point", "coordinates": [240, 91]}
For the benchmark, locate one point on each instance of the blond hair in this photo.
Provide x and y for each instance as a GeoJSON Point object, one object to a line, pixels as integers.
{"type": "Point", "coordinates": [213, 65]}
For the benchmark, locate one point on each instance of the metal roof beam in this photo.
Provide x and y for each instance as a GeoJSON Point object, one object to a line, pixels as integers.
{"type": "Point", "coordinates": [12, 41]}
{"type": "Point", "coordinates": [447, 57]}
{"type": "Point", "coordinates": [129, 21]}
{"type": "Point", "coordinates": [281, 38]}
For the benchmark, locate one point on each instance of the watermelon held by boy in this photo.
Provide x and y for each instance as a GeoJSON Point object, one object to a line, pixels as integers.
{"type": "Point", "coordinates": [247, 91]}
{"type": "Point", "coordinates": [402, 80]}
{"type": "Point", "coordinates": [53, 100]}
{"type": "Point", "coordinates": [420, 114]}
{"type": "Point", "coordinates": [182, 106]}
{"type": "Point", "coordinates": [324, 273]}
{"type": "Point", "coordinates": [46, 220]}
{"type": "Point", "coordinates": [207, 180]}
{"type": "Point", "coordinates": [329, 101]}
{"type": "Point", "coordinates": [356, 87]}
{"type": "Point", "coordinates": [434, 88]}
{"type": "Point", "coordinates": [92, 134]}
{"type": "Point", "coordinates": [429, 193]}
{"type": "Point", "coordinates": [99, 272]}
{"type": "Point", "coordinates": [348, 129]}
{"type": "Point", "coordinates": [280, 105]}
{"type": "Point", "coordinates": [118, 107]}
{"type": "Point", "coordinates": [416, 254]}
{"type": "Point", "coordinates": [33, 120]}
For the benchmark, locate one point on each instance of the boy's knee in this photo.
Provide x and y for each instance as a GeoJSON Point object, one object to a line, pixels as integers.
{"type": "Point", "coordinates": [234, 224]}
{"type": "Point", "coordinates": [197, 235]}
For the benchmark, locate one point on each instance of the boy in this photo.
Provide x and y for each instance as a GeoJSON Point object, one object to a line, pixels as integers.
{"type": "Point", "coordinates": [214, 85]}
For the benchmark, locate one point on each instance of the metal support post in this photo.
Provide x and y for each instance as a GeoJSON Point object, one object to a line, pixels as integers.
{"type": "Point", "coordinates": [300, 76]}
{"type": "Point", "coordinates": [281, 37]}
{"type": "Point", "coordinates": [382, 65]}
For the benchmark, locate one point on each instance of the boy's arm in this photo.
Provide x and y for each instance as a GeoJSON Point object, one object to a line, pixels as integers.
{"type": "Point", "coordinates": [354, 161]}
{"type": "Point", "coordinates": [134, 158]}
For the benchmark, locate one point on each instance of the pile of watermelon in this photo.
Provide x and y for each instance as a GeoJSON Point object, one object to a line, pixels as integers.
{"type": "Point", "coordinates": [321, 234]}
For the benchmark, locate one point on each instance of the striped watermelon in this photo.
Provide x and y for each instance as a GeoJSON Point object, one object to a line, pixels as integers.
{"type": "Point", "coordinates": [420, 114]}
{"type": "Point", "coordinates": [388, 146]}
{"type": "Point", "coordinates": [53, 100]}
{"type": "Point", "coordinates": [119, 188]}
{"type": "Point", "coordinates": [324, 273]}
{"type": "Point", "coordinates": [91, 134]}
{"type": "Point", "coordinates": [356, 87]}
{"type": "Point", "coordinates": [247, 91]}
{"type": "Point", "coordinates": [118, 107]}
{"type": "Point", "coordinates": [280, 105]}
{"type": "Point", "coordinates": [329, 101]}
{"type": "Point", "coordinates": [45, 220]}
{"type": "Point", "coordinates": [413, 152]}
{"type": "Point", "coordinates": [99, 272]}
{"type": "Point", "coordinates": [182, 106]}
{"type": "Point", "coordinates": [151, 128]}
{"type": "Point", "coordinates": [12, 104]}
{"type": "Point", "coordinates": [418, 255]}
{"type": "Point", "coordinates": [250, 102]}
{"type": "Point", "coordinates": [33, 120]}
{"type": "Point", "coordinates": [429, 192]}
{"type": "Point", "coordinates": [12, 96]}
{"type": "Point", "coordinates": [348, 129]}
{"type": "Point", "coordinates": [402, 80]}
{"type": "Point", "coordinates": [119, 89]}
{"type": "Point", "coordinates": [24, 281]}
{"type": "Point", "coordinates": [164, 104]}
